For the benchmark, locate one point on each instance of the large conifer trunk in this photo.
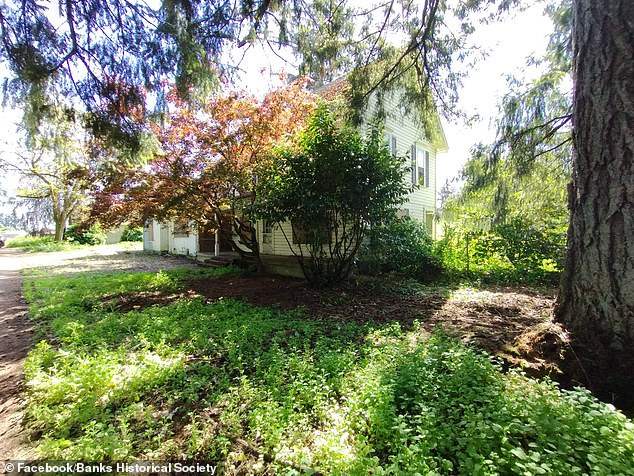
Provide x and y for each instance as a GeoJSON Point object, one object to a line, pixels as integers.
{"type": "Point", "coordinates": [596, 300]}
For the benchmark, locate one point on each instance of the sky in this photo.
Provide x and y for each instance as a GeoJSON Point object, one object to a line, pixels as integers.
{"type": "Point", "coordinates": [510, 43]}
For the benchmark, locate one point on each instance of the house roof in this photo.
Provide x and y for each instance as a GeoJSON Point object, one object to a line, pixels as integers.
{"type": "Point", "coordinates": [334, 89]}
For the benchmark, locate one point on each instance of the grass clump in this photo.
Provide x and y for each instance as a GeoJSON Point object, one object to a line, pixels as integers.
{"type": "Point", "coordinates": [193, 379]}
{"type": "Point", "coordinates": [40, 244]}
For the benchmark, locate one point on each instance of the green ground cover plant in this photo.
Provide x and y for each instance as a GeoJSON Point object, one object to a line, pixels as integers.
{"type": "Point", "coordinates": [40, 244]}
{"type": "Point", "coordinates": [196, 379]}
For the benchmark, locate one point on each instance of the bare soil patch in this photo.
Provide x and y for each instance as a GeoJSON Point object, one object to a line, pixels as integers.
{"type": "Point", "coordinates": [99, 259]}
{"type": "Point", "coordinates": [514, 323]}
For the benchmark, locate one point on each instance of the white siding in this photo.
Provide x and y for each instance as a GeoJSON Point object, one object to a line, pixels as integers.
{"type": "Point", "coordinates": [183, 244]}
{"type": "Point", "coordinates": [409, 133]}
{"type": "Point", "coordinates": [280, 243]}
{"type": "Point", "coordinates": [152, 237]}
{"type": "Point", "coordinates": [159, 237]}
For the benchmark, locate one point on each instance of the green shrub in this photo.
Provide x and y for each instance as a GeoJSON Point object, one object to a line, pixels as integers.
{"type": "Point", "coordinates": [403, 246]}
{"type": "Point", "coordinates": [329, 188]}
{"type": "Point", "coordinates": [132, 234]}
{"type": "Point", "coordinates": [523, 244]}
{"type": "Point", "coordinates": [515, 252]}
{"type": "Point", "coordinates": [77, 233]}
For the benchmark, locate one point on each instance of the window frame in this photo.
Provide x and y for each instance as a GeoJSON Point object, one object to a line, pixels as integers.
{"type": "Point", "coordinates": [149, 226]}
{"type": "Point", "coordinates": [181, 228]}
{"type": "Point", "coordinates": [427, 170]}
{"type": "Point", "coordinates": [420, 166]}
{"type": "Point", "coordinates": [267, 232]}
{"type": "Point", "coordinates": [390, 139]}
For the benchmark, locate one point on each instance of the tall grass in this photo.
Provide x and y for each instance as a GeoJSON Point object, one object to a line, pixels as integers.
{"type": "Point", "coordinates": [40, 244]}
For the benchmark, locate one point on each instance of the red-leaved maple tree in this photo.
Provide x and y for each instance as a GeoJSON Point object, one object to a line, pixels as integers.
{"type": "Point", "coordinates": [208, 167]}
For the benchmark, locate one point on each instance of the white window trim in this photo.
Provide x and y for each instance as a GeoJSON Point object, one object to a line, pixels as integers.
{"type": "Point", "coordinates": [421, 158]}
{"type": "Point", "coordinates": [414, 164]}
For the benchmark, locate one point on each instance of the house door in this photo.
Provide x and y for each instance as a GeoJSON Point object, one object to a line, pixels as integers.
{"type": "Point", "coordinates": [429, 223]}
{"type": "Point", "coordinates": [164, 237]}
{"type": "Point", "coordinates": [207, 240]}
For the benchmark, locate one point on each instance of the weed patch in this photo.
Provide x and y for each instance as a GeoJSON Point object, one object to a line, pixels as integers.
{"type": "Point", "coordinates": [263, 389]}
{"type": "Point", "coordinates": [44, 244]}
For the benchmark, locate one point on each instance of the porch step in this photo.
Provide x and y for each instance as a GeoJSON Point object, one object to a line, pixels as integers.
{"type": "Point", "coordinates": [218, 261]}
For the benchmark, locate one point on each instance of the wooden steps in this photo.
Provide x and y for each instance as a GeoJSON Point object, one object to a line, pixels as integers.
{"type": "Point", "coordinates": [217, 261]}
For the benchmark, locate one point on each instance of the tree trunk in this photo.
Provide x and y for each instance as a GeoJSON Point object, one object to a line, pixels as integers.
{"type": "Point", "coordinates": [59, 230]}
{"type": "Point", "coordinates": [248, 237]}
{"type": "Point", "coordinates": [60, 225]}
{"type": "Point", "coordinates": [596, 297]}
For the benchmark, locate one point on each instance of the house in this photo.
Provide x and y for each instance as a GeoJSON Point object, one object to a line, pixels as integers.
{"type": "Point", "coordinates": [405, 136]}
{"type": "Point", "coordinates": [181, 237]}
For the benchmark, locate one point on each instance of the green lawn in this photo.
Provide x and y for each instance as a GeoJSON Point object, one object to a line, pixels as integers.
{"type": "Point", "coordinates": [259, 388]}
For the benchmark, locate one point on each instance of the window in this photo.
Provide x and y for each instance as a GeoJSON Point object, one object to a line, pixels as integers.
{"type": "Point", "coordinates": [420, 166]}
{"type": "Point", "coordinates": [309, 236]}
{"type": "Point", "coordinates": [390, 140]}
{"type": "Point", "coordinates": [300, 235]}
{"type": "Point", "coordinates": [267, 232]}
{"type": "Point", "coordinates": [149, 226]}
{"type": "Point", "coordinates": [427, 172]}
{"type": "Point", "coordinates": [429, 223]}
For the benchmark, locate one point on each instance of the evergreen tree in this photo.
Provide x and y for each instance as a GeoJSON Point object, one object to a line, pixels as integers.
{"type": "Point", "coordinates": [114, 59]}
{"type": "Point", "coordinates": [596, 298]}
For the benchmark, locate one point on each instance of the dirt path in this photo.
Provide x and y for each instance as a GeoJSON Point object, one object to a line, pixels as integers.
{"type": "Point", "coordinates": [15, 336]}
{"type": "Point", "coordinates": [16, 330]}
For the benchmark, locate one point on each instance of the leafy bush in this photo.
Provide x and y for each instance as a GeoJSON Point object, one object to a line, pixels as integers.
{"type": "Point", "coordinates": [329, 188]}
{"type": "Point", "coordinates": [403, 246]}
{"type": "Point", "coordinates": [77, 233]}
{"type": "Point", "coordinates": [132, 234]}
{"type": "Point", "coordinates": [515, 252]}
{"type": "Point", "coordinates": [523, 244]}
